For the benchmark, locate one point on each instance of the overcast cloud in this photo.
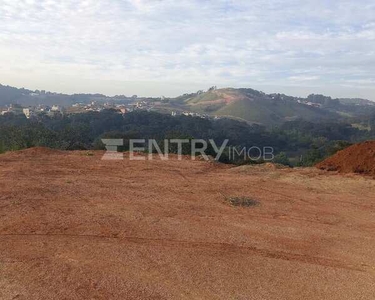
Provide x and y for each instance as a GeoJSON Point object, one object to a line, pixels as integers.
{"type": "Point", "coordinates": [165, 47]}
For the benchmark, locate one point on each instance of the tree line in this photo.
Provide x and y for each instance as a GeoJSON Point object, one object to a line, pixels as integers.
{"type": "Point", "coordinates": [295, 143]}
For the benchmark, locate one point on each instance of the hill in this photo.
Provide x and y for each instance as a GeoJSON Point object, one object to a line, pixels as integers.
{"type": "Point", "coordinates": [242, 104]}
{"type": "Point", "coordinates": [75, 227]}
{"type": "Point", "coordinates": [271, 109]}
{"type": "Point", "coordinates": [26, 97]}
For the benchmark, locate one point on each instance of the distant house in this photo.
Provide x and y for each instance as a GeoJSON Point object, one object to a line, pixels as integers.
{"type": "Point", "coordinates": [27, 112]}
{"type": "Point", "coordinates": [15, 109]}
{"type": "Point", "coordinates": [55, 108]}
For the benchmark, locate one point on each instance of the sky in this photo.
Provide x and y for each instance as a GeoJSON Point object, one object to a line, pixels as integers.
{"type": "Point", "coordinates": [171, 47]}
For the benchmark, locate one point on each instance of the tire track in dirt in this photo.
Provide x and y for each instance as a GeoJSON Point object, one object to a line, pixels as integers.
{"type": "Point", "coordinates": [209, 247]}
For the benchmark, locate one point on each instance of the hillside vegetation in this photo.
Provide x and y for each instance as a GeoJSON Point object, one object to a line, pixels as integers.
{"type": "Point", "coordinates": [303, 142]}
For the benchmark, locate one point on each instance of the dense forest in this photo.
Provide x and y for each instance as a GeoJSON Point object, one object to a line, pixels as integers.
{"type": "Point", "coordinates": [295, 143]}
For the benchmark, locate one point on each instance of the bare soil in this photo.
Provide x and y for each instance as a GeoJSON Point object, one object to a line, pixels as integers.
{"type": "Point", "coordinates": [73, 226]}
{"type": "Point", "coordinates": [359, 158]}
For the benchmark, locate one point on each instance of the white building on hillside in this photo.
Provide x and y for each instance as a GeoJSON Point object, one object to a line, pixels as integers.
{"type": "Point", "coordinates": [27, 112]}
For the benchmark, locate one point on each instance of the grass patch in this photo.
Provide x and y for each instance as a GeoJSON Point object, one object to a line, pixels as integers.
{"type": "Point", "coordinates": [88, 153]}
{"type": "Point", "coordinates": [242, 201]}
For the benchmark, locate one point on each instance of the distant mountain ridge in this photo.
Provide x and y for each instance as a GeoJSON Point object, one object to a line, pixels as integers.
{"type": "Point", "coordinates": [243, 104]}
{"type": "Point", "coordinates": [356, 101]}
{"type": "Point", "coordinates": [26, 97]}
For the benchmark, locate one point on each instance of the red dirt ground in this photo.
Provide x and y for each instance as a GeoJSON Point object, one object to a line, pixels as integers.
{"type": "Point", "coordinates": [75, 227]}
{"type": "Point", "coordinates": [359, 158]}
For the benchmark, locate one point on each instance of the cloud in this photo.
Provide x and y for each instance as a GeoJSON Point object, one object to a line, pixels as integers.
{"type": "Point", "coordinates": [303, 78]}
{"type": "Point", "coordinates": [99, 46]}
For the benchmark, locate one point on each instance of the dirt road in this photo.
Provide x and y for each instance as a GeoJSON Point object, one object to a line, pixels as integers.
{"type": "Point", "coordinates": [75, 227]}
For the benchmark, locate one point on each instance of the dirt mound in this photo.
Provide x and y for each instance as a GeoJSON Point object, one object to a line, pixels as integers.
{"type": "Point", "coordinates": [359, 158]}
{"type": "Point", "coordinates": [266, 167]}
